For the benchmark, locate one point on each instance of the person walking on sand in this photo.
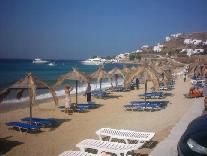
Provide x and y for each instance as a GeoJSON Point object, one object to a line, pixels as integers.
{"type": "Point", "coordinates": [137, 83]}
{"type": "Point", "coordinates": [184, 77]}
{"type": "Point", "coordinates": [88, 93]}
{"type": "Point", "coordinates": [205, 95]}
{"type": "Point", "coordinates": [67, 89]}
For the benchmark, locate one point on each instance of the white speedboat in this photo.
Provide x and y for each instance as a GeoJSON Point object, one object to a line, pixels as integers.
{"type": "Point", "coordinates": [51, 64]}
{"type": "Point", "coordinates": [94, 61]}
{"type": "Point", "coordinates": [39, 61]}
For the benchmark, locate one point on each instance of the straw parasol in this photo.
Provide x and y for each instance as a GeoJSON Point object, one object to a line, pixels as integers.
{"type": "Point", "coordinates": [150, 74]}
{"type": "Point", "coordinates": [73, 75]}
{"type": "Point", "coordinates": [126, 70]}
{"type": "Point", "coordinates": [100, 74]}
{"type": "Point", "coordinates": [30, 83]}
{"type": "Point", "coordinates": [115, 72]}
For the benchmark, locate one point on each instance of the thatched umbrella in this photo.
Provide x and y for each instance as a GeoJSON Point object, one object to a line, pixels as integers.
{"type": "Point", "coordinates": [116, 72]}
{"type": "Point", "coordinates": [73, 75]}
{"type": "Point", "coordinates": [30, 83]}
{"type": "Point", "coordinates": [100, 74]}
{"type": "Point", "coordinates": [150, 74]}
{"type": "Point", "coordinates": [126, 70]}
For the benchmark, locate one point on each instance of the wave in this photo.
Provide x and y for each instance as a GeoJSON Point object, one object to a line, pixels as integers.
{"type": "Point", "coordinates": [60, 93]}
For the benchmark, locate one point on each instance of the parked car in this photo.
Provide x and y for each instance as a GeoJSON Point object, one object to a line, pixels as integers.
{"type": "Point", "coordinates": [194, 140]}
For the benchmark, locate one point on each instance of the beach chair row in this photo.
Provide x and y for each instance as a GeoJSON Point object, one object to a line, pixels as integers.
{"type": "Point", "coordinates": [112, 147]}
{"type": "Point", "coordinates": [31, 124]}
{"type": "Point", "coordinates": [142, 105]}
{"type": "Point", "coordinates": [153, 95]}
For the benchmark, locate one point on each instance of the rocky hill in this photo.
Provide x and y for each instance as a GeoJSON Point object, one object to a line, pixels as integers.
{"type": "Point", "coordinates": [184, 47]}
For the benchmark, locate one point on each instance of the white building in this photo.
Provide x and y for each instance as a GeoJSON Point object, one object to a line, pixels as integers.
{"type": "Point", "coordinates": [138, 51]}
{"type": "Point", "coordinates": [192, 42]}
{"type": "Point", "coordinates": [122, 56]}
{"type": "Point", "coordinates": [175, 35]}
{"type": "Point", "coordinates": [188, 41]}
{"type": "Point", "coordinates": [144, 46]}
{"type": "Point", "coordinates": [192, 51]}
{"type": "Point", "coordinates": [205, 43]}
{"type": "Point", "coordinates": [197, 42]}
{"type": "Point", "coordinates": [167, 38]}
{"type": "Point", "coordinates": [158, 48]}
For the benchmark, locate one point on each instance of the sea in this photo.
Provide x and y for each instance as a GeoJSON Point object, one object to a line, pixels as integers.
{"type": "Point", "coordinates": [12, 70]}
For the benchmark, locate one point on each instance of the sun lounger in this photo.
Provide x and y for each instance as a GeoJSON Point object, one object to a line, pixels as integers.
{"type": "Point", "coordinates": [79, 109]}
{"type": "Point", "coordinates": [99, 93]}
{"type": "Point", "coordinates": [25, 126]}
{"type": "Point", "coordinates": [87, 105]}
{"type": "Point", "coordinates": [76, 153]}
{"type": "Point", "coordinates": [106, 146]}
{"type": "Point", "coordinates": [125, 135]}
{"type": "Point", "coordinates": [164, 88]}
{"type": "Point", "coordinates": [153, 95]}
{"type": "Point", "coordinates": [141, 105]}
{"type": "Point", "coordinates": [39, 121]}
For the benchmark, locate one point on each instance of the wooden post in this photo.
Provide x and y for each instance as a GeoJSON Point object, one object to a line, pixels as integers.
{"type": "Point", "coordinates": [100, 83]}
{"type": "Point", "coordinates": [145, 90]}
{"type": "Point", "coordinates": [76, 91]}
{"type": "Point", "coordinates": [30, 108]}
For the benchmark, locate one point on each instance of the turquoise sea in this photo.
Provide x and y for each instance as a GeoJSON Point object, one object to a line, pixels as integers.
{"type": "Point", "coordinates": [14, 69]}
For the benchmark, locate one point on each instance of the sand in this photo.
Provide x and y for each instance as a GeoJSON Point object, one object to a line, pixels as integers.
{"type": "Point", "coordinates": [79, 126]}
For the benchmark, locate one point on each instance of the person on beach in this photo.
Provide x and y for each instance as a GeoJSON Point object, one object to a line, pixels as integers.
{"type": "Point", "coordinates": [67, 89]}
{"type": "Point", "coordinates": [137, 83]}
{"type": "Point", "coordinates": [88, 93]}
{"type": "Point", "coordinates": [184, 77]}
{"type": "Point", "coordinates": [205, 95]}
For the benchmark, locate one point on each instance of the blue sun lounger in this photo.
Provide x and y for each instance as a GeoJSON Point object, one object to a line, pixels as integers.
{"type": "Point", "coordinates": [141, 105]}
{"type": "Point", "coordinates": [25, 126]}
{"type": "Point", "coordinates": [99, 93]}
{"type": "Point", "coordinates": [87, 106]}
{"type": "Point", "coordinates": [39, 121]}
{"type": "Point", "coordinates": [153, 95]}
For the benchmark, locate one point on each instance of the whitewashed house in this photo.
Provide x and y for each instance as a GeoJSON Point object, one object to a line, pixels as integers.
{"type": "Point", "coordinates": [175, 35]}
{"type": "Point", "coordinates": [167, 39]}
{"type": "Point", "coordinates": [188, 41]}
{"type": "Point", "coordinates": [192, 51]}
{"type": "Point", "coordinates": [158, 48]}
{"type": "Point", "coordinates": [144, 46]}
{"type": "Point", "coordinates": [205, 43]}
{"type": "Point", "coordinates": [197, 42]}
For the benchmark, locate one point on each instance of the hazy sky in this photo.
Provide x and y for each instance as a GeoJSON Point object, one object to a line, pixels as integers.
{"type": "Point", "coordinates": [78, 29]}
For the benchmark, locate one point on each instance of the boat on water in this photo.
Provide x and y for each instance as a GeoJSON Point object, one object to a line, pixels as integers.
{"type": "Point", "coordinates": [51, 64]}
{"type": "Point", "coordinates": [39, 61]}
{"type": "Point", "coordinates": [93, 61]}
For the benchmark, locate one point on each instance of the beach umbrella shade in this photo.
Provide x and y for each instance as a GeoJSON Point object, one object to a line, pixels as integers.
{"type": "Point", "coordinates": [126, 70]}
{"type": "Point", "coordinates": [29, 83]}
{"type": "Point", "coordinates": [150, 74]}
{"type": "Point", "coordinates": [100, 74]}
{"type": "Point", "coordinates": [116, 72]}
{"type": "Point", "coordinates": [73, 75]}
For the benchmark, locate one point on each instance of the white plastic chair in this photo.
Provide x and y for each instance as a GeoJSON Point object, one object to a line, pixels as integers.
{"type": "Point", "coordinates": [106, 146]}
{"type": "Point", "coordinates": [125, 135]}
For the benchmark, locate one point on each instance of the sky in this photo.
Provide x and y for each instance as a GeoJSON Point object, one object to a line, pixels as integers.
{"type": "Point", "coordinates": [79, 29]}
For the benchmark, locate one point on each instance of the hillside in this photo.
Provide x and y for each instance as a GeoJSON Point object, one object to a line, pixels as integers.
{"type": "Point", "coordinates": [185, 47]}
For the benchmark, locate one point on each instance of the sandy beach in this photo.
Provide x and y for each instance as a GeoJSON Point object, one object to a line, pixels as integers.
{"type": "Point", "coordinates": [74, 128]}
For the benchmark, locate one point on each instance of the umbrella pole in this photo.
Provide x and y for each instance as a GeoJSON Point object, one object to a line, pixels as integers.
{"type": "Point", "coordinates": [30, 109]}
{"type": "Point", "coordinates": [116, 79]}
{"type": "Point", "coordinates": [145, 90]}
{"type": "Point", "coordinates": [76, 91]}
{"type": "Point", "coordinates": [100, 83]}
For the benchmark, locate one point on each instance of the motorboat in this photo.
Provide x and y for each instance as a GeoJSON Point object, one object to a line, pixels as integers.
{"type": "Point", "coordinates": [51, 64]}
{"type": "Point", "coordinates": [93, 61]}
{"type": "Point", "coordinates": [39, 61]}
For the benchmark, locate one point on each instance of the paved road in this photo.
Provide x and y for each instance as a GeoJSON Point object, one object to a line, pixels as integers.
{"type": "Point", "coordinates": [168, 147]}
